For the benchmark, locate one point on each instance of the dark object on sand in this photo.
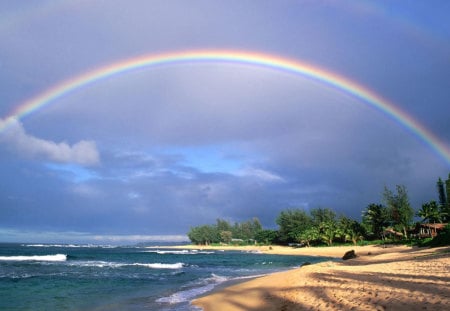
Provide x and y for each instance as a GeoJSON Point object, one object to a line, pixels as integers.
{"type": "Point", "coordinates": [306, 263]}
{"type": "Point", "coordinates": [349, 255]}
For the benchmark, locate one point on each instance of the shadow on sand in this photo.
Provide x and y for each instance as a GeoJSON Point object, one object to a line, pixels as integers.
{"type": "Point", "coordinates": [412, 289]}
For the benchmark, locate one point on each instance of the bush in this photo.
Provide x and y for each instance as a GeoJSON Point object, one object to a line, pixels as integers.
{"type": "Point", "coordinates": [442, 239]}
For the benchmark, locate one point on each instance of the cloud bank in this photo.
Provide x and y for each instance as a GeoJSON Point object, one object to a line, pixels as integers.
{"type": "Point", "coordinates": [83, 152]}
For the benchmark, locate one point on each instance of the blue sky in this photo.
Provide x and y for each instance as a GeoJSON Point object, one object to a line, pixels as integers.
{"type": "Point", "coordinates": [148, 154]}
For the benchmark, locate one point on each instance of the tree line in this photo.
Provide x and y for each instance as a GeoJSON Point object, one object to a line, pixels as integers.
{"type": "Point", "coordinates": [324, 226]}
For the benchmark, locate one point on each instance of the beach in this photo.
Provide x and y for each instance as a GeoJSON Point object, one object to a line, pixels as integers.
{"type": "Point", "coordinates": [379, 278]}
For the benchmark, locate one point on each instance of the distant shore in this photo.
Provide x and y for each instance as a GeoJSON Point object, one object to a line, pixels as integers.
{"type": "Point", "coordinates": [380, 278]}
{"type": "Point", "coordinates": [334, 251]}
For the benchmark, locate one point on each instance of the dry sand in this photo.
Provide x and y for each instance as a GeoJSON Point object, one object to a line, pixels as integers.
{"type": "Point", "coordinates": [380, 278]}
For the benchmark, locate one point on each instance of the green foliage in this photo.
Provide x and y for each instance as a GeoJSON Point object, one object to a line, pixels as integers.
{"type": "Point", "coordinates": [223, 232]}
{"type": "Point", "coordinates": [292, 223]}
{"type": "Point", "coordinates": [267, 236]}
{"type": "Point", "coordinates": [309, 236]}
{"type": "Point", "coordinates": [400, 211]}
{"type": "Point", "coordinates": [328, 232]}
{"type": "Point", "coordinates": [226, 236]}
{"type": "Point", "coordinates": [321, 225]}
{"type": "Point", "coordinates": [350, 230]}
{"type": "Point", "coordinates": [322, 215]}
{"type": "Point", "coordinates": [375, 218]}
{"type": "Point", "coordinates": [246, 230]}
{"type": "Point", "coordinates": [441, 192]}
{"type": "Point", "coordinates": [445, 205]}
{"type": "Point", "coordinates": [442, 239]}
{"type": "Point", "coordinates": [204, 235]}
{"type": "Point", "coordinates": [430, 212]}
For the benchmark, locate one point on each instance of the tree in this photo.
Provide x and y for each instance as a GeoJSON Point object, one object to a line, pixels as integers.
{"type": "Point", "coordinates": [204, 235]}
{"type": "Point", "coordinates": [292, 223]}
{"type": "Point", "coordinates": [223, 225]}
{"type": "Point", "coordinates": [328, 231]}
{"type": "Point", "coordinates": [325, 220]}
{"type": "Point", "coordinates": [398, 205]}
{"type": "Point", "coordinates": [375, 218]}
{"type": "Point", "coordinates": [322, 215]}
{"type": "Point", "coordinates": [226, 236]}
{"type": "Point", "coordinates": [267, 236]}
{"type": "Point", "coordinates": [445, 208]}
{"type": "Point", "coordinates": [309, 235]}
{"type": "Point", "coordinates": [430, 212]}
{"type": "Point", "coordinates": [349, 230]}
{"type": "Point", "coordinates": [246, 230]}
{"type": "Point", "coordinates": [441, 191]}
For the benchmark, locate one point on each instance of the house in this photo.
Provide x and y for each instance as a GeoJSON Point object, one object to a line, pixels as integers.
{"type": "Point", "coordinates": [430, 230]}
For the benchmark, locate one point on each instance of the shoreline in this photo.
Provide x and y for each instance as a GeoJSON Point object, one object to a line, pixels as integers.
{"type": "Point", "coordinates": [321, 251]}
{"type": "Point", "coordinates": [380, 278]}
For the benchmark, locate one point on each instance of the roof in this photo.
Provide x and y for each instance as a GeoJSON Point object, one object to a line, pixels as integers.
{"type": "Point", "coordinates": [434, 226]}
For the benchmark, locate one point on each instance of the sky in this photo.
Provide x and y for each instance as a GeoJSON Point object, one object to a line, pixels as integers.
{"type": "Point", "coordinates": [145, 154]}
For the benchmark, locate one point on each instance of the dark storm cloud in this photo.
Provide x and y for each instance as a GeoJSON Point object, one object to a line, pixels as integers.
{"type": "Point", "coordinates": [156, 151]}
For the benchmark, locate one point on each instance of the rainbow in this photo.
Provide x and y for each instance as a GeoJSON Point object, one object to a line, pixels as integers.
{"type": "Point", "coordinates": [236, 57]}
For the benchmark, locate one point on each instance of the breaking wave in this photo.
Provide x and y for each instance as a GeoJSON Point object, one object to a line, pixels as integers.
{"type": "Point", "coordinates": [108, 264]}
{"type": "Point", "coordinates": [180, 252]}
{"type": "Point", "coordinates": [200, 287]}
{"type": "Point", "coordinates": [57, 257]}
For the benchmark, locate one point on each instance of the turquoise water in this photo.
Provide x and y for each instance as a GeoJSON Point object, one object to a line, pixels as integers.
{"type": "Point", "coordinates": [88, 277]}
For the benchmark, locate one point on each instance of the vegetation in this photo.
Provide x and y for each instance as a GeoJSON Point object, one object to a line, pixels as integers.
{"type": "Point", "coordinates": [391, 220]}
{"type": "Point", "coordinates": [224, 232]}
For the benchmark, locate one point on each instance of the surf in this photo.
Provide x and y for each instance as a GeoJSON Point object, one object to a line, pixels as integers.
{"type": "Point", "coordinates": [57, 257]}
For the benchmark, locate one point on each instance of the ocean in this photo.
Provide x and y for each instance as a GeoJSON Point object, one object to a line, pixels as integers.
{"type": "Point", "coordinates": [92, 277]}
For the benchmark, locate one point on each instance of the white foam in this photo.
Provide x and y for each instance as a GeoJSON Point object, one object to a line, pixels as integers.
{"type": "Point", "coordinates": [57, 257]}
{"type": "Point", "coordinates": [180, 252]}
{"type": "Point", "coordinates": [70, 245]}
{"type": "Point", "coordinates": [108, 264]}
{"type": "Point", "coordinates": [201, 286]}
{"type": "Point", "coordinates": [97, 264]}
{"type": "Point", "coordinates": [177, 265]}
{"type": "Point", "coordinates": [186, 295]}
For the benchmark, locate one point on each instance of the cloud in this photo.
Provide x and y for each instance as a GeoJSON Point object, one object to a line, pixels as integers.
{"type": "Point", "coordinates": [30, 236]}
{"type": "Point", "coordinates": [187, 143]}
{"type": "Point", "coordinates": [83, 152]}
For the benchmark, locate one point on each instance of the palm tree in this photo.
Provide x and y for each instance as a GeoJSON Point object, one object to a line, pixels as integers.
{"type": "Point", "coordinates": [309, 235]}
{"type": "Point", "coordinates": [376, 218]}
{"type": "Point", "coordinates": [328, 232]}
{"type": "Point", "coordinates": [430, 212]}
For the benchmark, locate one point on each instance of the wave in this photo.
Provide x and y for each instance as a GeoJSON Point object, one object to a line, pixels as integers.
{"type": "Point", "coordinates": [70, 245]}
{"type": "Point", "coordinates": [180, 252]}
{"type": "Point", "coordinates": [202, 286]}
{"type": "Point", "coordinates": [109, 264]}
{"type": "Point", "coordinates": [177, 265]}
{"type": "Point", "coordinates": [57, 257]}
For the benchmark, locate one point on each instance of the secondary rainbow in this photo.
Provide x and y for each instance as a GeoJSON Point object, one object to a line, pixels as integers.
{"type": "Point", "coordinates": [237, 57]}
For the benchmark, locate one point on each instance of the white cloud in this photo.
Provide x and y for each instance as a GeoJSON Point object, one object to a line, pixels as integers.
{"type": "Point", "coordinates": [83, 152]}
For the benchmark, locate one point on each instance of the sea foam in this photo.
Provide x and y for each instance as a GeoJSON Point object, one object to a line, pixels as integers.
{"type": "Point", "coordinates": [177, 265]}
{"type": "Point", "coordinates": [180, 252]}
{"type": "Point", "coordinates": [57, 257]}
{"type": "Point", "coordinates": [108, 264]}
{"type": "Point", "coordinates": [200, 287]}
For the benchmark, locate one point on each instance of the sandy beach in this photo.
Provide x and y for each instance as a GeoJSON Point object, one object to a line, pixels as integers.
{"type": "Point", "coordinates": [380, 278]}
